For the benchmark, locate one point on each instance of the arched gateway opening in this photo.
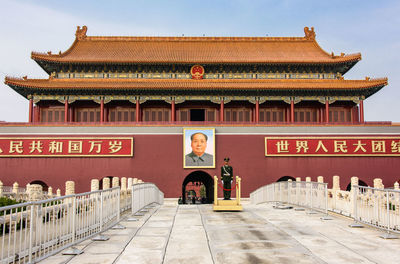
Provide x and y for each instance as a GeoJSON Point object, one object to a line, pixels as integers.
{"type": "Point", "coordinates": [286, 178]}
{"type": "Point", "coordinates": [360, 183]}
{"type": "Point", "coordinates": [44, 185]}
{"type": "Point", "coordinates": [198, 178]}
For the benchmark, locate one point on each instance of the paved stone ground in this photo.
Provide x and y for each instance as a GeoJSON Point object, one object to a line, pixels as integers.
{"type": "Point", "coordinates": [259, 234]}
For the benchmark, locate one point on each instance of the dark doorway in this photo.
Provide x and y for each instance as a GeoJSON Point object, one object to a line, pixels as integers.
{"type": "Point", "coordinates": [202, 178]}
{"type": "Point", "coordinates": [360, 183]}
{"type": "Point", "coordinates": [197, 115]}
{"type": "Point", "coordinates": [286, 178]}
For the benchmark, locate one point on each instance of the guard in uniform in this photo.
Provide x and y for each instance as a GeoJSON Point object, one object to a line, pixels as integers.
{"type": "Point", "coordinates": [227, 178]}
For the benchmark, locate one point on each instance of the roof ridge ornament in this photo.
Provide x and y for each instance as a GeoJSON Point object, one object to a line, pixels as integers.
{"type": "Point", "coordinates": [81, 33]}
{"type": "Point", "coordinates": [309, 34]}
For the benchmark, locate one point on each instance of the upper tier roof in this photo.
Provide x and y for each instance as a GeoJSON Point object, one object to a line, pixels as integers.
{"type": "Point", "coordinates": [196, 50]}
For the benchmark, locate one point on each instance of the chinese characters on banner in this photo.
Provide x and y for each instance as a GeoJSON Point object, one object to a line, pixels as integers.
{"type": "Point", "coordinates": [66, 147]}
{"type": "Point", "coordinates": [332, 146]}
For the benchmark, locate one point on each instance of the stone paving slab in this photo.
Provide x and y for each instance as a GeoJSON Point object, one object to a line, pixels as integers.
{"type": "Point", "coordinates": [259, 234]}
{"type": "Point", "coordinates": [333, 241]}
{"type": "Point", "coordinates": [188, 241]}
{"type": "Point", "coordinates": [141, 256]}
{"type": "Point", "coordinates": [94, 259]}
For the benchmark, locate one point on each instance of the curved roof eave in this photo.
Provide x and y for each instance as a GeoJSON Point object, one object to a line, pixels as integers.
{"type": "Point", "coordinates": [67, 85]}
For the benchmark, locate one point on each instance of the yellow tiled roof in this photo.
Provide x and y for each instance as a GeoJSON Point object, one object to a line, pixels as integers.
{"type": "Point", "coordinates": [199, 50]}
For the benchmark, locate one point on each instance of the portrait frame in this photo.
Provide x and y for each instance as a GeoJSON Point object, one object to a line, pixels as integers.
{"type": "Point", "coordinates": [187, 147]}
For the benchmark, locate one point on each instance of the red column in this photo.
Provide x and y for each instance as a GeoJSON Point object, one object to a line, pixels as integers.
{"type": "Point", "coordinates": [291, 111]}
{"type": "Point", "coordinates": [173, 111]}
{"type": "Point", "coordinates": [221, 111]}
{"type": "Point", "coordinates": [34, 113]}
{"type": "Point", "coordinates": [37, 114]}
{"type": "Point", "coordinates": [257, 111]}
{"type": "Point", "coordinates": [137, 110]}
{"type": "Point", "coordinates": [361, 111]}
{"type": "Point", "coordinates": [101, 110]}
{"type": "Point", "coordinates": [66, 110]}
{"type": "Point", "coordinates": [31, 110]}
{"type": "Point", "coordinates": [326, 111]}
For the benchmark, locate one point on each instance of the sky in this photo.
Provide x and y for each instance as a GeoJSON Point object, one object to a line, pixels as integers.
{"type": "Point", "coordinates": [349, 26]}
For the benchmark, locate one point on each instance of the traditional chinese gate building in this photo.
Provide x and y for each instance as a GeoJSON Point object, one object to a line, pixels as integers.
{"type": "Point", "coordinates": [117, 106]}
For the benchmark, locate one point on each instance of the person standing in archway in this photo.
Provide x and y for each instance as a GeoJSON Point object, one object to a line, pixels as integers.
{"type": "Point", "coordinates": [227, 178]}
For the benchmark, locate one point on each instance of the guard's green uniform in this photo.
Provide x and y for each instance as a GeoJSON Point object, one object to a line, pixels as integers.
{"type": "Point", "coordinates": [227, 177]}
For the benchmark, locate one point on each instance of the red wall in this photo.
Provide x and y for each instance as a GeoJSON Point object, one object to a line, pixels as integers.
{"type": "Point", "coordinates": [159, 159]}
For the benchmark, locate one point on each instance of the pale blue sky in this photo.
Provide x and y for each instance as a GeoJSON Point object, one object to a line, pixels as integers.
{"type": "Point", "coordinates": [369, 27]}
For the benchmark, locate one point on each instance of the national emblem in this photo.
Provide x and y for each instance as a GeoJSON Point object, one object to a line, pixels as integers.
{"type": "Point", "coordinates": [197, 72]}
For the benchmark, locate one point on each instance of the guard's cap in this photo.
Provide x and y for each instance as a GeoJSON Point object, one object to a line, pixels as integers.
{"type": "Point", "coordinates": [226, 159]}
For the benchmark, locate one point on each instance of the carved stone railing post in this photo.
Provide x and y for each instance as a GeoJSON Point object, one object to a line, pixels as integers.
{"type": "Point", "coordinates": [335, 190]}
{"type": "Point", "coordinates": [27, 190]}
{"type": "Point", "coordinates": [50, 192]}
{"type": "Point", "coordinates": [353, 181]}
{"type": "Point", "coordinates": [378, 183]}
{"type": "Point", "coordinates": [320, 179]}
{"type": "Point", "coordinates": [336, 183]}
{"type": "Point", "coordinates": [69, 187]}
{"type": "Point", "coordinates": [380, 195]}
{"type": "Point", "coordinates": [397, 195]}
{"type": "Point", "coordinates": [353, 195]}
{"type": "Point", "coordinates": [115, 182]}
{"type": "Point", "coordinates": [1, 188]}
{"type": "Point", "coordinates": [130, 183]}
{"type": "Point", "coordinates": [94, 185]}
{"type": "Point", "coordinates": [15, 188]}
{"type": "Point", "coordinates": [124, 193]}
{"type": "Point", "coordinates": [123, 184]}
{"type": "Point", "coordinates": [298, 187]}
{"type": "Point", "coordinates": [35, 192]}
{"type": "Point", "coordinates": [106, 183]}
{"type": "Point", "coordinates": [135, 180]}
{"type": "Point", "coordinates": [58, 193]}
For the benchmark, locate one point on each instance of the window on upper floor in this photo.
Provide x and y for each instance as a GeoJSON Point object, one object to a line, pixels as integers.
{"type": "Point", "coordinates": [340, 114]}
{"type": "Point", "coordinates": [306, 115]}
{"type": "Point", "coordinates": [52, 114]}
{"type": "Point", "coordinates": [156, 114]}
{"type": "Point", "coordinates": [122, 114]}
{"type": "Point", "coordinates": [237, 114]}
{"type": "Point", "coordinates": [87, 114]}
{"type": "Point", "coordinates": [275, 114]}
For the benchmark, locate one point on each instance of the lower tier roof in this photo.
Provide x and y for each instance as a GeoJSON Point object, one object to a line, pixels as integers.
{"type": "Point", "coordinates": [366, 88]}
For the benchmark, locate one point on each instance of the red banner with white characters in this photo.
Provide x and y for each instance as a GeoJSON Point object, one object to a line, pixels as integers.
{"type": "Point", "coordinates": [66, 147]}
{"type": "Point", "coordinates": [332, 146]}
